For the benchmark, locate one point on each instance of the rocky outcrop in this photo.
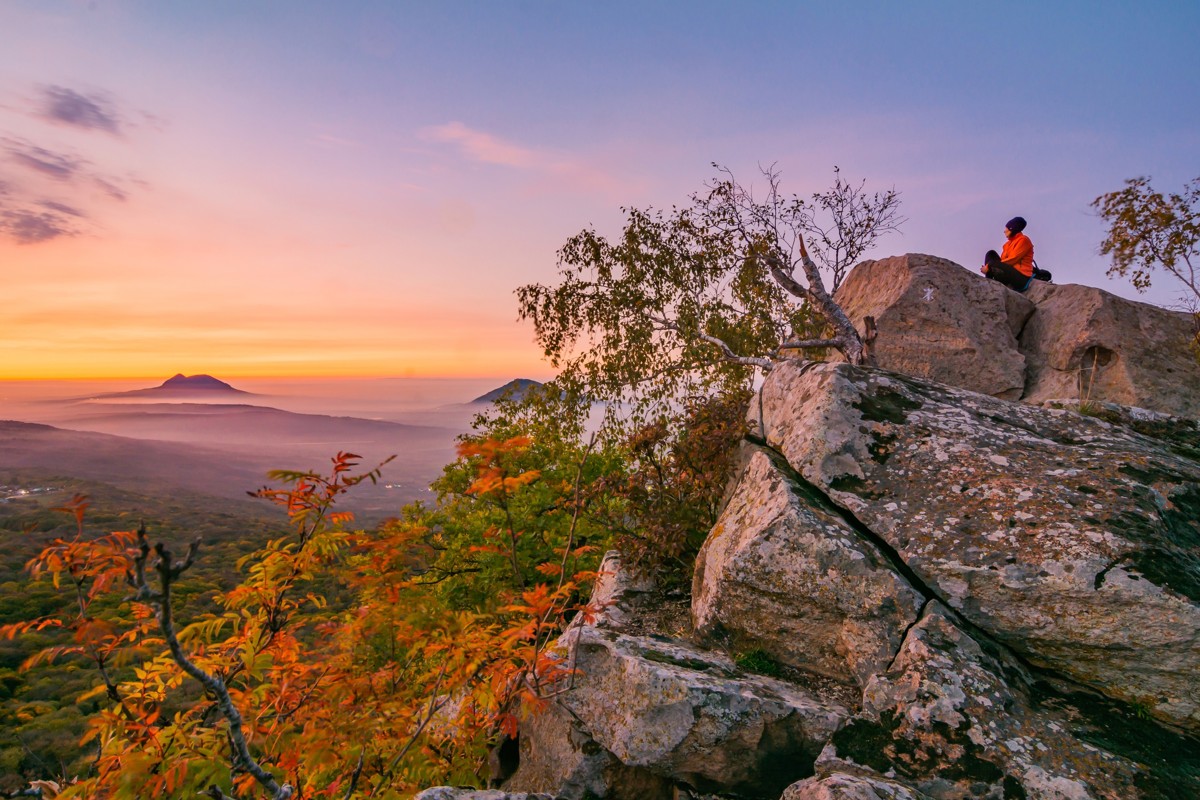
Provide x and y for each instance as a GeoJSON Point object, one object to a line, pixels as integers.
{"type": "Point", "coordinates": [955, 722]}
{"type": "Point", "coordinates": [785, 573]}
{"type": "Point", "coordinates": [1088, 344]}
{"type": "Point", "coordinates": [958, 596]}
{"type": "Point", "coordinates": [940, 322]}
{"type": "Point", "coordinates": [1069, 540]}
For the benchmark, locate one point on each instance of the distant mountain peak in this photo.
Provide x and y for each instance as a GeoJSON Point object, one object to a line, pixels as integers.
{"type": "Point", "coordinates": [514, 390]}
{"type": "Point", "coordinates": [196, 382]}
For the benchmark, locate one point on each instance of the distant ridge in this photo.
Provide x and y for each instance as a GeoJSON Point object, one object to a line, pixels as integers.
{"type": "Point", "coordinates": [514, 390]}
{"type": "Point", "coordinates": [205, 383]}
{"type": "Point", "coordinates": [181, 385]}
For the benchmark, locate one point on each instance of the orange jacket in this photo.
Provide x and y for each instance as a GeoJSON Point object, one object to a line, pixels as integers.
{"type": "Point", "coordinates": [1018, 252]}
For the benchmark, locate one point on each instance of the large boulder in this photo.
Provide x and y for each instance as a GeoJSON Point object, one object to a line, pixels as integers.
{"type": "Point", "coordinates": [939, 321]}
{"type": "Point", "coordinates": [1073, 542]}
{"type": "Point", "coordinates": [1088, 345]}
{"type": "Point", "coordinates": [784, 572]}
{"type": "Point", "coordinates": [643, 715]}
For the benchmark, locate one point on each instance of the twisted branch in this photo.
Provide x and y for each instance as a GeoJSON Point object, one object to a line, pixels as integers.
{"type": "Point", "coordinates": [168, 573]}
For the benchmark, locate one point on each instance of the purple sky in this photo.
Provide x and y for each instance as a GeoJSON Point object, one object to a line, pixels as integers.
{"type": "Point", "coordinates": [267, 188]}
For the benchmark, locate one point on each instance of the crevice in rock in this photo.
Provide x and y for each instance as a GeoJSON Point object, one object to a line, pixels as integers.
{"type": "Point", "coordinates": [1003, 653]}
{"type": "Point", "coordinates": [1102, 574]}
{"type": "Point", "coordinates": [819, 498]}
{"type": "Point", "coordinates": [904, 636]}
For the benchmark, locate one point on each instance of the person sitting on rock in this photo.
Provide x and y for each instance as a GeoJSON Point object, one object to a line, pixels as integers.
{"type": "Point", "coordinates": [1013, 266]}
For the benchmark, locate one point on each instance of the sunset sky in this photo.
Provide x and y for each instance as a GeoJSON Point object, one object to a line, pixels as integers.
{"type": "Point", "coordinates": [356, 188]}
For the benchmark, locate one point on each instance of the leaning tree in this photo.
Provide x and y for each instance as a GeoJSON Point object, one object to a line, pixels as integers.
{"type": "Point", "coordinates": [697, 300]}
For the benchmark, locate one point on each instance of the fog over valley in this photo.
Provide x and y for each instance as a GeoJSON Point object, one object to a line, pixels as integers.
{"type": "Point", "coordinates": [221, 439]}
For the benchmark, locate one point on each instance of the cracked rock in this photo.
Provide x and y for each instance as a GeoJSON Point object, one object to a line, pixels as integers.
{"type": "Point", "coordinates": [1074, 542]}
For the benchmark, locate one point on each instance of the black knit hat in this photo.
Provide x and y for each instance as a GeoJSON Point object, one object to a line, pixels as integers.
{"type": "Point", "coordinates": [1016, 224]}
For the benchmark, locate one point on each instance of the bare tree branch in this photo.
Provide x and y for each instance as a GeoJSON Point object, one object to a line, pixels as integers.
{"type": "Point", "coordinates": [161, 600]}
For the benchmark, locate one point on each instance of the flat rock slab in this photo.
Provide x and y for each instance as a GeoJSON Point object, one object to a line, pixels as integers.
{"type": "Point", "coordinates": [666, 709]}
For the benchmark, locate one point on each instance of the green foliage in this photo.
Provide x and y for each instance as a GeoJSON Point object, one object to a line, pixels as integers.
{"type": "Point", "coordinates": [632, 317]}
{"type": "Point", "coordinates": [691, 302]}
{"type": "Point", "coordinates": [669, 497]}
{"type": "Point", "coordinates": [42, 715]}
{"type": "Point", "coordinates": [759, 662]}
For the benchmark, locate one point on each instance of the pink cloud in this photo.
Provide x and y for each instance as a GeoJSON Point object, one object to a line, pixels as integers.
{"type": "Point", "coordinates": [481, 146]}
{"type": "Point", "coordinates": [488, 149]}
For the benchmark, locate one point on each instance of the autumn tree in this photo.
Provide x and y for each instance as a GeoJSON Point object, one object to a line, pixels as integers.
{"type": "Point", "coordinates": [663, 505]}
{"type": "Point", "coordinates": [694, 301]}
{"type": "Point", "coordinates": [334, 669]}
{"type": "Point", "coordinates": [1148, 230]}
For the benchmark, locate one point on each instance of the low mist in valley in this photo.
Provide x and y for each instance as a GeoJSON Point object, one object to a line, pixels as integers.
{"type": "Point", "coordinates": [223, 443]}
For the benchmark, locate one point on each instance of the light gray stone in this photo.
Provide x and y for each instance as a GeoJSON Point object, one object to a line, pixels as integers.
{"type": "Point", "coordinates": [939, 321]}
{"type": "Point", "coordinates": [619, 593]}
{"type": "Point", "coordinates": [953, 721]}
{"type": "Point", "coordinates": [783, 574]}
{"type": "Point", "coordinates": [1072, 541]}
{"type": "Point", "coordinates": [685, 715]}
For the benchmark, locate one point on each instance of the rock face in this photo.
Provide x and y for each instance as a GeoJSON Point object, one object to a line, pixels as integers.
{"type": "Point", "coordinates": [785, 573]}
{"type": "Point", "coordinates": [941, 322]}
{"type": "Point", "coordinates": [646, 715]}
{"type": "Point", "coordinates": [931, 719]}
{"type": "Point", "coordinates": [1070, 541]}
{"type": "Point", "coordinates": [1086, 343]}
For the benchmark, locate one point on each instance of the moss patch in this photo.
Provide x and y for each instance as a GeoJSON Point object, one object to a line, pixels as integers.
{"type": "Point", "coordinates": [1169, 555]}
{"type": "Point", "coordinates": [1170, 761]}
{"type": "Point", "coordinates": [886, 405]}
{"type": "Point", "coordinates": [1181, 436]}
{"type": "Point", "coordinates": [687, 663]}
{"type": "Point", "coordinates": [877, 745]}
{"type": "Point", "coordinates": [760, 662]}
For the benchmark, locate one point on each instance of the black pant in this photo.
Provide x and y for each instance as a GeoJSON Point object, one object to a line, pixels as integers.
{"type": "Point", "coordinates": [1009, 275]}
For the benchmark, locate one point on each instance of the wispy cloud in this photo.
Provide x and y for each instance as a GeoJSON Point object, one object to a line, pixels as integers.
{"type": "Point", "coordinates": [480, 146]}
{"type": "Point", "coordinates": [45, 193]}
{"type": "Point", "coordinates": [486, 148]}
{"type": "Point", "coordinates": [60, 166]}
{"type": "Point", "coordinates": [65, 106]}
{"type": "Point", "coordinates": [27, 226]}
